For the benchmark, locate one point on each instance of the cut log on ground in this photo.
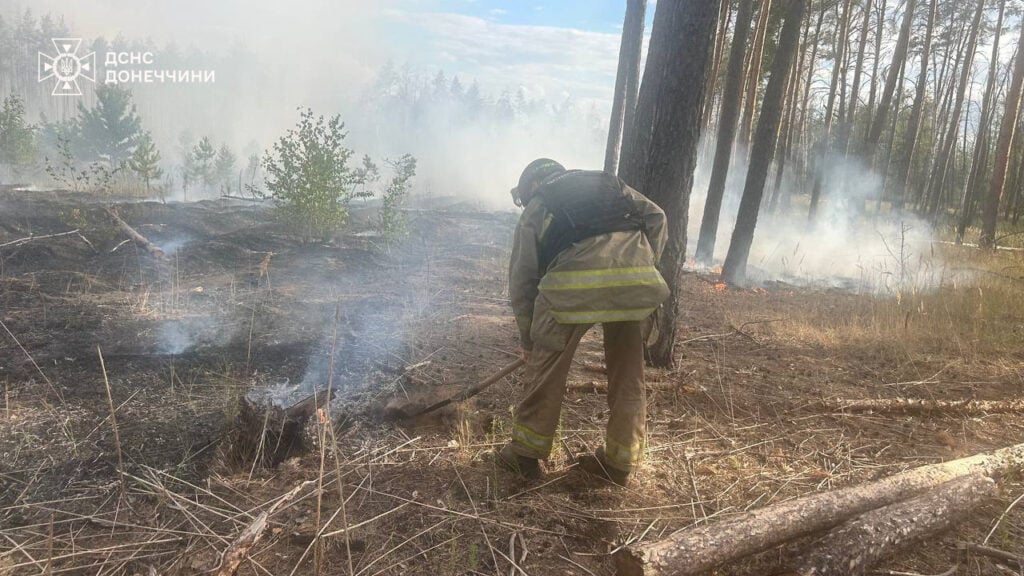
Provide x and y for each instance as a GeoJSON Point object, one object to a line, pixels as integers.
{"type": "Point", "coordinates": [861, 543]}
{"type": "Point", "coordinates": [698, 549]}
{"type": "Point", "coordinates": [139, 239]}
{"type": "Point", "coordinates": [271, 423]}
{"type": "Point", "coordinates": [923, 406]}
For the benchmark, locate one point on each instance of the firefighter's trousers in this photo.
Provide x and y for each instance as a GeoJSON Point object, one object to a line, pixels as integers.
{"type": "Point", "coordinates": [537, 416]}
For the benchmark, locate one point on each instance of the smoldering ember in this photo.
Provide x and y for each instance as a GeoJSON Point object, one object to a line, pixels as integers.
{"type": "Point", "coordinates": [467, 287]}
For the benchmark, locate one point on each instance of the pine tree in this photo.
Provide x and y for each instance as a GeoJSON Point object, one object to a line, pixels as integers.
{"type": "Point", "coordinates": [17, 138]}
{"type": "Point", "coordinates": [145, 161]}
{"type": "Point", "coordinates": [110, 129]}
{"type": "Point", "coordinates": [662, 155]}
{"type": "Point", "coordinates": [224, 167]}
{"type": "Point", "coordinates": [762, 152]}
{"type": "Point", "coordinates": [202, 158]}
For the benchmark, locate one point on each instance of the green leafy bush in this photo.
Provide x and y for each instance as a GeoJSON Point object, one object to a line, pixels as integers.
{"type": "Point", "coordinates": [307, 170]}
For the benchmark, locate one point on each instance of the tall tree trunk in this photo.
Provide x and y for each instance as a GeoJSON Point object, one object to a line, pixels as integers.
{"type": "Point", "coordinates": [825, 144]}
{"type": "Point", "coordinates": [786, 136]}
{"type": "Point", "coordinates": [754, 74]}
{"type": "Point", "coordinates": [944, 159]}
{"type": "Point", "coordinates": [805, 101]}
{"type": "Point", "coordinates": [940, 113]}
{"type": "Point", "coordinates": [914, 125]}
{"type": "Point", "coordinates": [727, 123]}
{"type": "Point", "coordinates": [851, 115]}
{"type": "Point", "coordinates": [892, 138]}
{"type": "Point", "coordinates": [662, 160]}
{"type": "Point", "coordinates": [879, 120]}
{"type": "Point", "coordinates": [711, 91]}
{"type": "Point", "coordinates": [626, 82]}
{"type": "Point", "coordinates": [1004, 144]}
{"type": "Point", "coordinates": [765, 140]}
{"type": "Point", "coordinates": [967, 200]}
{"type": "Point", "coordinates": [876, 63]}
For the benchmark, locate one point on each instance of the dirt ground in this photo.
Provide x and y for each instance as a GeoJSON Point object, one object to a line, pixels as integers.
{"type": "Point", "coordinates": [238, 304]}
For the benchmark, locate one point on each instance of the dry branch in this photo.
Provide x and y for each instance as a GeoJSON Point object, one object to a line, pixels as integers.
{"type": "Point", "coordinates": [233, 556]}
{"type": "Point", "coordinates": [602, 387]}
{"type": "Point", "coordinates": [33, 237]}
{"type": "Point", "coordinates": [923, 406]}
{"type": "Point", "coordinates": [995, 553]}
{"type": "Point", "coordinates": [861, 543]}
{"type": "Point", "coordinates": [701, 548]}
{"type": "Point", "coordinates": [138, 238]}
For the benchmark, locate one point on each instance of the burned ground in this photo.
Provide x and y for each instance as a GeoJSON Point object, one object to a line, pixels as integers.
{"type": "Point", "coordinates": [740, 423]}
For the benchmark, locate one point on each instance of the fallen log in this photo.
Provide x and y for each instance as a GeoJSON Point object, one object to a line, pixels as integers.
{"type": "Point", "coordinates": [861, 543]}
{"type": "Point", "coordinates": [698, 549]}
{"type": "Point", "coordinates": [924, 406]}
{"type": "Point", "coordinates": [139, 239]}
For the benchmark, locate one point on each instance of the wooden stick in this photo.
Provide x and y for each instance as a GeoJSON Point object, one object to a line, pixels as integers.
{"type": "Point", "coordinates": [138, 238]}
{"type": "Point", "coordinates": [861, 543]}
{"type": "Point", "coordinates": [923, 406]}
{"type": "Point", "coordinates": [234, 554]}
{"type": "Point", "coordinates": [991, 552]}
{"type": "Point", "coordinates": [113, 419]}
{"type": "Point", "coordinates": [413, 411]}
{"type": "Point", "coordinates": [699, 549]}
{"type": "Point", "coordinates": [32, 237]}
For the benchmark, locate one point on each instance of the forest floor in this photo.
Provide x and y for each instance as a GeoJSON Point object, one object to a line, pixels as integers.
{"type": "Point", "coordinates": [741, 423]}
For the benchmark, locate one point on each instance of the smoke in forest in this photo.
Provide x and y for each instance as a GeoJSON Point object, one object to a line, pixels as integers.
{"type": "Point", "coordinates": [849, 246]}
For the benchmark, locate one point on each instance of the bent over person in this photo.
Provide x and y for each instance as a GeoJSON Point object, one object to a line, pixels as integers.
{"type": "Point", "coordinates": [584, 253]}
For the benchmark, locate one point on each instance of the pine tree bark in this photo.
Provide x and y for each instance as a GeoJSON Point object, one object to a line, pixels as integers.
{"type": "Point", "coordinates": [662, 160]}
{"type": "Point", "coordinates": [876, 63]}
{"type": "Point", "coordinates": [727, 125]}
{"type": "Point", "coordinates": [696, 550]}
{"type": "Point", "coordinates": [765, 141]}
{"type": "Point", "coordinates": [914, 125]}
{"type": "Point", "coordinates": [754, 75]}
{"type": "Point", "coordinates": [858, 545]}
{"type": "Point", "coordinates": [943, 162]}
{"type": "Point", "coordinates": [825, 144]}
{"type": "Point", "coordinates": [857, 70]}
{"type": "Point", "coordinates": [1004, 144]}
{"type": "Point", "coordinates": [626, 82]}
{"type": "Point", "coordinates": [980, 156]}
{"type": "Point", "coordinates": [711, 91]}
{"type": "Point", "coordinates": [880, 119]}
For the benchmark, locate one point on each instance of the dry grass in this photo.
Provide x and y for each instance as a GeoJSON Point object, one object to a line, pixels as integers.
{"type": "Point", "coordinates": [738, 425]}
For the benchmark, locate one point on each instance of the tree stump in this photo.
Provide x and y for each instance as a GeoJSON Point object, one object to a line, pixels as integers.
{"type": "Point", "coordinates": [271, 423]}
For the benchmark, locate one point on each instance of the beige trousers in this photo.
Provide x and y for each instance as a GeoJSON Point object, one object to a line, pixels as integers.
{"type": "Point", "coordinates": [536, 418]}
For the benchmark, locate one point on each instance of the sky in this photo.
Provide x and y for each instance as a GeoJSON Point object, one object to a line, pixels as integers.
{"type": "Point", "coordinates": [551, 48]}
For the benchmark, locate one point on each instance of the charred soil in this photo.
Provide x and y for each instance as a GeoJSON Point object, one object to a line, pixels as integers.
{"type": "Point", "coordinates": [742, 422]}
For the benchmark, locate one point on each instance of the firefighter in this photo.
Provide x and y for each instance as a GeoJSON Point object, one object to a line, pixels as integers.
{"type": "Point", "coordinates": [585, 252]}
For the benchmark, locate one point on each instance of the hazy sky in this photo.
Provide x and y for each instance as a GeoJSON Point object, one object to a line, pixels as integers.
{"type": "Point", "coordinates": [551, 48]}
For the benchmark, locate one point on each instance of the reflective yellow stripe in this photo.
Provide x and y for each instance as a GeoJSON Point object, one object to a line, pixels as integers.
{"type": "Point", "coordinates": [606, 284]}
{"type": "Point", "coordinates": [596, 316]}
{"type": "Point", "coordinates": [605, 278]}
{"type": "Point", "coordinates": [625, 456]}
{"type": "Point", "coordinates": [599, 272]}
{"type": "Point", "coordinates": [530, 439]}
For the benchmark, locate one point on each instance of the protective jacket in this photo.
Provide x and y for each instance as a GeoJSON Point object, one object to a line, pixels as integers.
{"type": "Point", "coordinates": [575, 262]}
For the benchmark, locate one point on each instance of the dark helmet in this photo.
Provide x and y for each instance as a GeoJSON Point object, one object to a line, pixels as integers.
{"type": "Point", "coordinates": [535, 172]}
